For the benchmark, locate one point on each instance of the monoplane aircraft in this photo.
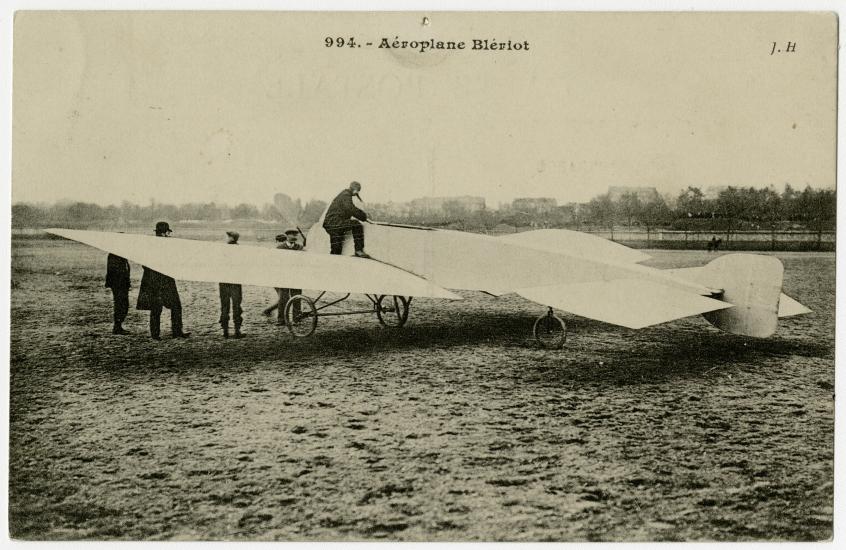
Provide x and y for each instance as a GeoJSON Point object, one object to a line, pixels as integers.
{"type": "Point", "coordinates": [566, 270]}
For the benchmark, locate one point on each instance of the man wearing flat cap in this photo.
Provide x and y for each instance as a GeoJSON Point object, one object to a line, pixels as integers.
{"type": "Point", "coordinates": [287, 241]}
{"type": "Point", "coordinates": [339, 221]}
{"type": "Point", "coordinates": [158, 291]}
{"type": "Point", "coordinates": [230, 293]}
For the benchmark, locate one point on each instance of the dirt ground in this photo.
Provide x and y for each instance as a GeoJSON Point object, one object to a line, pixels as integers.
{"type": "Point", "coordinates": [454, 428]}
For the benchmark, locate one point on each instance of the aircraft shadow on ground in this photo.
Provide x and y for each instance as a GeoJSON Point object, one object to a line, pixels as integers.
{"type": "Point", "coordinates": [593, 351]}
{"type": "Point", "coordinates": [669, 353]}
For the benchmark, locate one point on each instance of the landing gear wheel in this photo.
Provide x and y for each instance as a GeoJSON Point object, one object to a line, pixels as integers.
{"type": "Point", "coordinates": [301, 324]}
{"type": "Point", "coordinates": [550, 331]}
{"type": "Point", "coordinates": [393, 311]}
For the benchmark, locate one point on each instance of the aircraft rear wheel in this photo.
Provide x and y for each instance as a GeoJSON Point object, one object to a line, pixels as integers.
{"type": "Point", "coordinates": [550, 330]}
{"type": "Point", "coordinates": [303, 321]}
{"type": "Point", "coordinates": [392, 312]}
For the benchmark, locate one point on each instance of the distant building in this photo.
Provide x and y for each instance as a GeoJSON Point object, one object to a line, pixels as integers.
{"type": "Point", "coordinates": [645, 194]}
{"type": "Point", "coordinates": [534, 205]}
{"type": "Point", "coordinates": [436, 204]}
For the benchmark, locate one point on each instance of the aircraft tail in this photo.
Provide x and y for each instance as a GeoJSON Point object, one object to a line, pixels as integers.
{"type": "Point", "coordinates": [752, 284]}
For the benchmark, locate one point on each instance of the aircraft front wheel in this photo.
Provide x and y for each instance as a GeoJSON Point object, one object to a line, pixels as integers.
{"type": "Point", "coordinates": [392, 311]}
{"type": "Point", "coordinates": [550, 330]}
{"type": "Point", "coordinates": [301, 316]}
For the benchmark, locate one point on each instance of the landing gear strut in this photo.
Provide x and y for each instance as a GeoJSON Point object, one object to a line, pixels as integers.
{"type": "Point", "coordinates": [301, 312]}
{"type": "Point", "coordinates": [550, 330]}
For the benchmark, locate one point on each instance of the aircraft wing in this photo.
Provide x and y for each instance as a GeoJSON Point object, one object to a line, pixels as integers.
{"type": "Point", "coordinates": [575, 243]}
{"type": "Point", "coordinates": [191, 260]}
{"type": "Point", "coordinates": [632, 303]}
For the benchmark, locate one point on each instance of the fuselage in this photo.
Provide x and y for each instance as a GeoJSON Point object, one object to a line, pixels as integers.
{"type": "Point", "coordinates": [469, 261]}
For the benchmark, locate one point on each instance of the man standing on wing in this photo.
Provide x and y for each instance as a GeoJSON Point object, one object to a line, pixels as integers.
{"type": "Point", "coordinates": [231, 293]}
{"type": "Point", "coordinates": [158, 291]}
{"type": "Point", "coordinates": [338, 221]}
{"type": "Point", "coordinates": [117, 278]}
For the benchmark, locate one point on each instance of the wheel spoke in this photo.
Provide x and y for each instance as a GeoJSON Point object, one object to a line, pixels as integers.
{"type": "Point", "coordinates": [304, 322]}
{"type": "Point", "coordinates": [394, 315]}
{"type": "Point", "coordinates": [550, 331]}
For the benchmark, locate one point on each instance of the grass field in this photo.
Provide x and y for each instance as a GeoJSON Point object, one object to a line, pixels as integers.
{"type": "Point", "coordinates": [453, 428]}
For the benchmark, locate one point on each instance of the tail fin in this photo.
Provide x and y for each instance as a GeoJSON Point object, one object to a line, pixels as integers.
{"type": "Point", "coordinates": [752, 283]}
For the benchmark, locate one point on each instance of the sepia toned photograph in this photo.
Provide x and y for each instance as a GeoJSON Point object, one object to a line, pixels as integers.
{"type": "Point", "coordinates": [422, 277]}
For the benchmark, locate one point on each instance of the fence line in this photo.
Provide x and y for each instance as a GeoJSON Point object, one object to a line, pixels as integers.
{"type": "Point", "coordinates": [705, 236]}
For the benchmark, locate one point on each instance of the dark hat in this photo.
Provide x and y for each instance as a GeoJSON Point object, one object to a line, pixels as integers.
{"type": "Point", "coordinates": [292, 232]}
{"type": "Point", "coordinates": [234, 235]}
{"type": "Point", "coordinates": [162, 228]}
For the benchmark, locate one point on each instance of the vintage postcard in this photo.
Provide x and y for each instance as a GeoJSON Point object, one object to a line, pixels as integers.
{"type": "Point", "coordinates": [407, 276]}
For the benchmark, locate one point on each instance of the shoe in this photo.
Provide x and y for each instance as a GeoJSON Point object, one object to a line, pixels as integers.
{"type": "Point", "coordinates": [239, 334]}
{"type": "Point", "coordinates": [267, 313]}
{"type": "Point", "coordinates": [362, 254]}
{"type": "Point", "coordinates": [182, 335]}
{"type": "Point", "coordinates": [120, 330]}
{"type": "Point", "coordinates": [226, 332]}
{"type": "Point", "coordinates": [156, 337]}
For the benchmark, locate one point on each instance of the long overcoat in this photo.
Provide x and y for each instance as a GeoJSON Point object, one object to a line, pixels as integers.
{"type": "Point", "coordinates": [117, 272]}
{"type": "Point", "coordinates": [157, 289]}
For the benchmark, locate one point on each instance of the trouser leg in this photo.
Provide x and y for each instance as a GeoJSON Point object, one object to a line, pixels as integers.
{"type": "Point", "coordinates": [176, 319]}
{"type": "Point", "coordinates": [155, 320]}
{"type": "Point", "coordinates": [120, 297]}
{"type": "Point", "coordinates": [336, 240]}
{"type": "Point", "coordinates": [358, 236]}
{"type": "Point", "coordinates": [297, 304]}
{"type": "Point", "coordinates": [269, 309]}
{"type": "Point", "coordinates": [237, 312]}
{"type": "Point", "coordinates": [283, 300]}
{"type": "Point", "coordinates": [224, 304]}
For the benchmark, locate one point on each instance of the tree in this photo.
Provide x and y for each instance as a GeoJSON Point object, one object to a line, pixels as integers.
{"type": "Point", "coordinates": [691, 203]}
{"type": "Point", "coordinates": [817, 210]}
{"type": "Point", "coordinates": [653, 214]}
{"type": "Point", "coordinates": [628, 206]}
{"type": "Point", "coordinates": [788, 201]}
{"type": "Point", "coordinates": [455, 212]}
{"type": "Point", "coordinates": [601, 211]}
{"type": "Point", "coordinates": [27, 215]}
{"type": "Point", "coordinates": [244, 212]}
{"type": "Point", "coordinates": [770, 211]}
{"type": "Point", "coordinates": [130, 211]}
{"type": "Point", "coordinates": [734, 205]}
{"type": "Point", "coordinates": [271, 213]}
{"type": "Point", "coordinates": [212, 212]}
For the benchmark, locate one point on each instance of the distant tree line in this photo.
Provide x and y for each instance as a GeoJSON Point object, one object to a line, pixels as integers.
{"type": "Point", "coordinates": [733, 209]}
{"type": "Point", "coordinates": [82, 214]}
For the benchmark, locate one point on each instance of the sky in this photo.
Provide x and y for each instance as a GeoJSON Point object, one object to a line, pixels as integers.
{"type": "Point", "coordinates": [233, 107]}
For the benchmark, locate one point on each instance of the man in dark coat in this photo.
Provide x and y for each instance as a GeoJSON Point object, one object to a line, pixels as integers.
{"type": "Point", "coordinates": [117, 278]}
{"type": "Point", "coordinates": [231, 293]}
{"type": "Point", "coordinates": [338, 221]}
{"type": "Point", "coordinates": [158, 291]}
